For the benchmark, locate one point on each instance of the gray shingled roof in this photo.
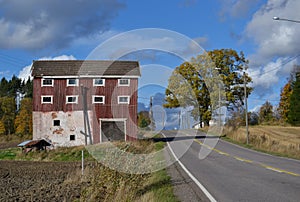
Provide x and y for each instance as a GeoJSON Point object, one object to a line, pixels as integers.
{"type": "Point", "coordinates": [85, 67]}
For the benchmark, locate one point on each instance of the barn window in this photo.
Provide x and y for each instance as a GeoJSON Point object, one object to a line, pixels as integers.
{"type": "Point", "coordinates": [72, 82]}
{"type": "Point", "coordinates": [72, 137]}
{"type": "Point", "coordinates": [98, 99]}
{"type": "Point", "coordinates": [123, 82]}
{"type": "Point", "coordinates": [123, 99]}
{"type": "Point", "coordinates": [56, 122]}
{"type": "Point", "coordinates": [99, 82]}
{"type": "Point", "coordinates": [73, 99]}
{"type": "Point", "coordinates": [46, 99]}
{"type": "Point", "coordinates": [47, 82]}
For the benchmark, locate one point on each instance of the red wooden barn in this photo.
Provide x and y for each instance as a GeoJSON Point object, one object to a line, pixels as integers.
{"type": "Point", "coordinates": [79, 102]}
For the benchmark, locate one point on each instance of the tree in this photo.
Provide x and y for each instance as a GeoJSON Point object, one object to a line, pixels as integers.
{"type": "Point", "coordinates": [8, 108]}
{"type": "Point", "coordinates": [236, 119]}
{"type": "Point", "coordinates": [198, 83]}
{"type": "Point", "coordinates": [14, 86]}
{"type": "Point", "coordinates": [294, 112]}
{"type": "Point", "coordinates": [284, 104]}
{"type": "Point", "coordinates": [143, 119]}
{"type": "Point", "coordinates": [253, 118]}
{"type": "Point", "coordinates": [23, 121]}
{"type": "Point", "coordinates": [2, 128]}
{"type": "Point", "coordinates": [231, 66]}
{"type": "Point", "coordinates": [187, 88]}
{"type": "Point", "coordinates": [27, 88]}
{"type": "Point", "coordinates": [266, 113]}
{"type": "Point", "coordinates": [4, 87]}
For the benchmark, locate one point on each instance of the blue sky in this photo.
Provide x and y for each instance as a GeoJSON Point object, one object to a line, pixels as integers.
{"type": "Point", "coordinates": [72, 29]}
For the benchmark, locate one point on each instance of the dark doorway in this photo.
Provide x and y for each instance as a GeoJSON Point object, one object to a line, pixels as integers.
{"type": "Point", "coordinates": [112, 131]}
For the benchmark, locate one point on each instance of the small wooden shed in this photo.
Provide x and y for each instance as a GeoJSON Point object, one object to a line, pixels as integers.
{"type": "Point", "coordinates": [34, 145]}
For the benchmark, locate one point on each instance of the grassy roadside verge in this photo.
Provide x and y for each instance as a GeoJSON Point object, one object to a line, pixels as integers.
{"type": "Point", "coordinates": [274, 140]}
{"type": "Point", "coordinates": [257, 149]}
{"type": "Point", "coordinates": [102, 183]}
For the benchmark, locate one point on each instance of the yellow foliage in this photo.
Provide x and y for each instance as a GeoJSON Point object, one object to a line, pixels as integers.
{"type": "Point", "coordinates": [2, 128]}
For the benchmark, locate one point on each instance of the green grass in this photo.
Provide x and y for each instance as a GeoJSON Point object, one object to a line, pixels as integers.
{"type": "Point", "coordinates": [160, 187]}
{"type": "Point", "coordinates": [59, 154]}
{"type": "Point", "coordinates": [9, 154]}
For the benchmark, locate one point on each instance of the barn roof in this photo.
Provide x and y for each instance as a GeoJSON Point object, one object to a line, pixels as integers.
{"type": "Point", "coordinates": [32, 143]}
{"type": "Point", "coordinates": [42, 68]}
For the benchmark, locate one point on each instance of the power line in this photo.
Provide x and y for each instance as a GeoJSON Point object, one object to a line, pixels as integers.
{"type": "Point", "coordinates": [283, 64]}
{"type": "Point", "coordinates": [145, 98]}
{"type": "Point", "coordinates": [12, 60]}
{"type": "Point", "coordinates": [261, 99]}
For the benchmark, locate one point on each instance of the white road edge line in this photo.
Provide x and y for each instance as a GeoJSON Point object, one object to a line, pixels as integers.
{"type": "Point", "coordinates": [208, 195]}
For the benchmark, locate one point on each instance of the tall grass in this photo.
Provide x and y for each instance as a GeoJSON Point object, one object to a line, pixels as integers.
{"type": "Point", "coordinates": [283, 141]}
{"type": "Point", "coordinates": [111, 185]}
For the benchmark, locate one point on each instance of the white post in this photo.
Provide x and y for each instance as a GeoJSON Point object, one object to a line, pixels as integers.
{"type": "Point", "coordinates": [82, 162]}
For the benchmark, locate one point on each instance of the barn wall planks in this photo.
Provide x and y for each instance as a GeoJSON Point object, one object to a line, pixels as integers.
{"type": "Point", "coordinates": [110, 109]}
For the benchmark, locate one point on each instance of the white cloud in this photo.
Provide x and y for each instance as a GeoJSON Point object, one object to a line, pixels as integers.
{"type": "Point", "coordinates": [236, 8]}
{"type": "Point", "coordinates": [274, 38]}
{"type": "Point", "coordinates": [277, 47]}
{"type": "Point", "coordinates": [25, 73]}
{"type": "Point", "coordinates": [265, 77]}
{"type": "Point", "coordinates": [147, 40]}
{"type": "Point", "coordinates": [35, 25]}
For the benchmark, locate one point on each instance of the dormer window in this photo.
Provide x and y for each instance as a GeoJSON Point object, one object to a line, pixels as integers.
{"type": "Point", "coordinates": [47, 82]}
{"type": "Point", "coordinates": [123, 82]}
{"type": "Point", "coordinates": [72, 82]}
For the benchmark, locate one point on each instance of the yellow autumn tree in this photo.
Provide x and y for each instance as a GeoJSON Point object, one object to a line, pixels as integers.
{"type": "Point", "coordinates": [2, 128]}
{"type": "Point", "coordinates": [23, 121]}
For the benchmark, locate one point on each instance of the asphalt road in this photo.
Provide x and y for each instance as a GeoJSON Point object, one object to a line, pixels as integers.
{"type": "Point", "coordinates": [233, 173]}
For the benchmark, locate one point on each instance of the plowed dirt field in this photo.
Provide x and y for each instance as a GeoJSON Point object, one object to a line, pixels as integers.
{"type": "Point", "coordinates": [39, 181]}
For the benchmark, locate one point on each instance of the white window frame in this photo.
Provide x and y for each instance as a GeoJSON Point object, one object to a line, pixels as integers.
{"type": "Point", "coordinates": [68, 96]}
{"type": "Point", "coordinates": [44, 85]}
{"type": "Point", "coordinates": [103, 99]}
{"type": "Point", "coordinates": [119, 80]}
{"type": "Point", "coordinates": [43, 96]}
{"type": "Point", "coordinates": [94, 84]}
{"type": "Point", "coordinates": [128, 99]}
{"type": "Point", "coordinates": [76, 84]}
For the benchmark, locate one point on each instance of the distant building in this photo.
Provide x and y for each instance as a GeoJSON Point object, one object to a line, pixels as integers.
{"type": "Point", "coordinates": [78, 102]}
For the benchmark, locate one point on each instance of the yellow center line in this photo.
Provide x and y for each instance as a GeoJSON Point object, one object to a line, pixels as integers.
{"type": "Point", "coordinates": [242, 159]}
{"type": "Point", "coordinates": [279, 170]}
{"type": "Point", "coordinates": [247, 160]}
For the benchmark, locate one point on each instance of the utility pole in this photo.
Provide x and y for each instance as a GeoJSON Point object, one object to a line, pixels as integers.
{"type": "Point", "coordinates": [246, 108]}
{"type": "Point", "coordinates": [87, 128]}
{"type": "Point", "coordinates": [219, 105]}
{"type": "Point", "coordinates": [179, 120]}
{"type": "Point", "coordinates": [188, 119]}
{"type": "Point", "coordinates": [151, 113]}
{"type": "Point", "coordinates": [163, 120]}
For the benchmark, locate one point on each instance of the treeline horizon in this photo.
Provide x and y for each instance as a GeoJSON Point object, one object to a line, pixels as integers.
{"type": "Point", "coordinates": [16, 106]}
